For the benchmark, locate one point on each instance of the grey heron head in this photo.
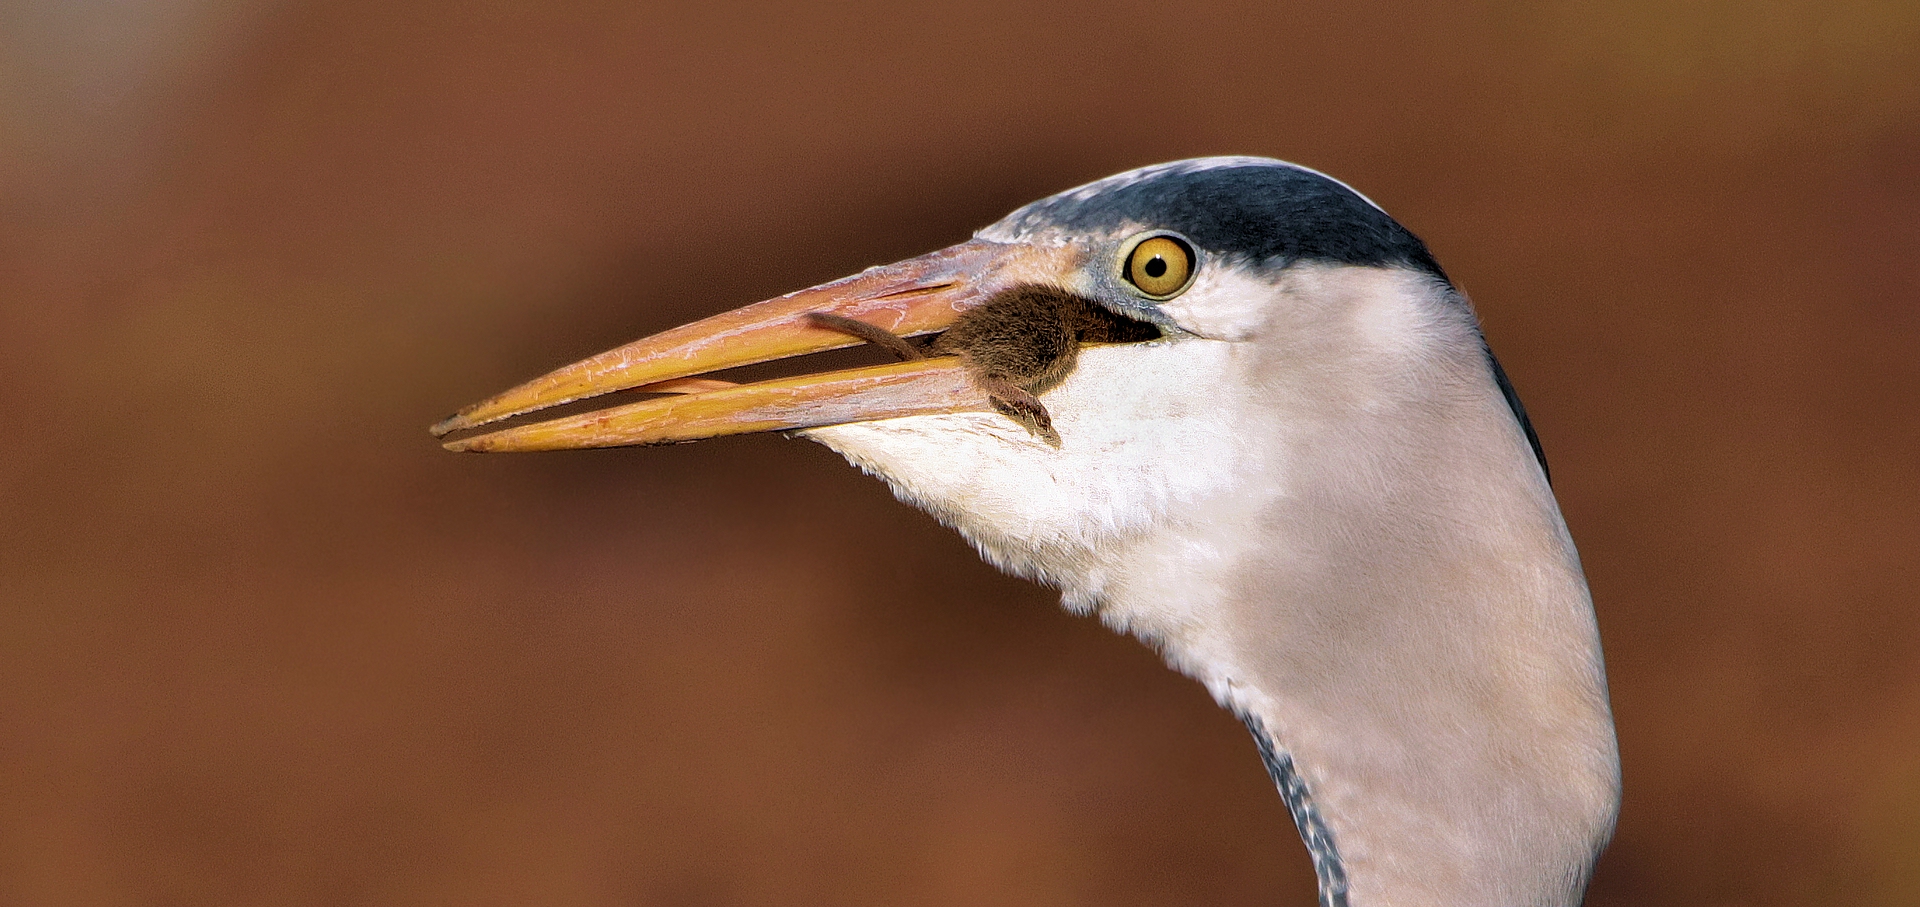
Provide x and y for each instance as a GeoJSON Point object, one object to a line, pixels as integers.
{"type": "Point", "coordinates": [1278, 294]}
{"type": "Point", "coordinates": [1148, 244]}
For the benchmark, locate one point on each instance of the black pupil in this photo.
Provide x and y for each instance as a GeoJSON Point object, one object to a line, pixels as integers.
{"type": "Point", "coordinates": [1155, 267]}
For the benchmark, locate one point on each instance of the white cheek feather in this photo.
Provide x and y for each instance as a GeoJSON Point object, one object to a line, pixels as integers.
{"type": "Point", "coordinates": [1223, 304]}
{"type": "Point", "coordinates": [1140, 433]}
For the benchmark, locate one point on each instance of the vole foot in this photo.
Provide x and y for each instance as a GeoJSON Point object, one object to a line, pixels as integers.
{"type": "Point", "coordinates": [1014, 402]}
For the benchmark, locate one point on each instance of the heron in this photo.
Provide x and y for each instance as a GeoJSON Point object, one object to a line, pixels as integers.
{"type": "Point", "coordinates": [1232, 407]}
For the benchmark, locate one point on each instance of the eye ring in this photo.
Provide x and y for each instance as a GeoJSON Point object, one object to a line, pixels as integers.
{"type": "Point", "coordinates": [1159, 265]}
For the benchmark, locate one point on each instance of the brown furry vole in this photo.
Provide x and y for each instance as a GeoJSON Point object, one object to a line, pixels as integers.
{"type": "Point", "coordinates": [1020, 343]}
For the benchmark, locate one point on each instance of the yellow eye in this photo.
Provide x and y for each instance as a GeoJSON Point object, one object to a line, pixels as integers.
{"type": "Point", "coordinates": [1160, 266]}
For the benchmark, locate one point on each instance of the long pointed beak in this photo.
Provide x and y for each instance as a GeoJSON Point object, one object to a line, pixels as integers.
{"type": "Point", "coordinates": [917, 296]}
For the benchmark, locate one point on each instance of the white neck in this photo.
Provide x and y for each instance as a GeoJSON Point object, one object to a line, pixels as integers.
{"type": "Point", "coordinates": [1432, 674]}
{"type": "Point", "coordinates": [1353, 549]}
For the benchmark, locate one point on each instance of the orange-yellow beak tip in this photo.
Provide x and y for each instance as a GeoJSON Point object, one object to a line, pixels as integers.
{"type": "Point", "coordinates": [447, 426]}
{"type": "Point", "coordinates": [919, 387]}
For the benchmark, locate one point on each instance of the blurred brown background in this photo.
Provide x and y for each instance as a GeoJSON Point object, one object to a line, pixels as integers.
{"type": "Point", "coordinates": [263, 642]}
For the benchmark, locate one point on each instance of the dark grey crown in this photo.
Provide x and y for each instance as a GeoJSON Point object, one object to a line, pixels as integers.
{"type": "Point", "coordinates": [1261, 209]}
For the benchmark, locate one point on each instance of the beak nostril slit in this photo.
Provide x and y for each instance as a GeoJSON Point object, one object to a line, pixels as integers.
{"type": "Point", "coordinates": [917, 291]}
